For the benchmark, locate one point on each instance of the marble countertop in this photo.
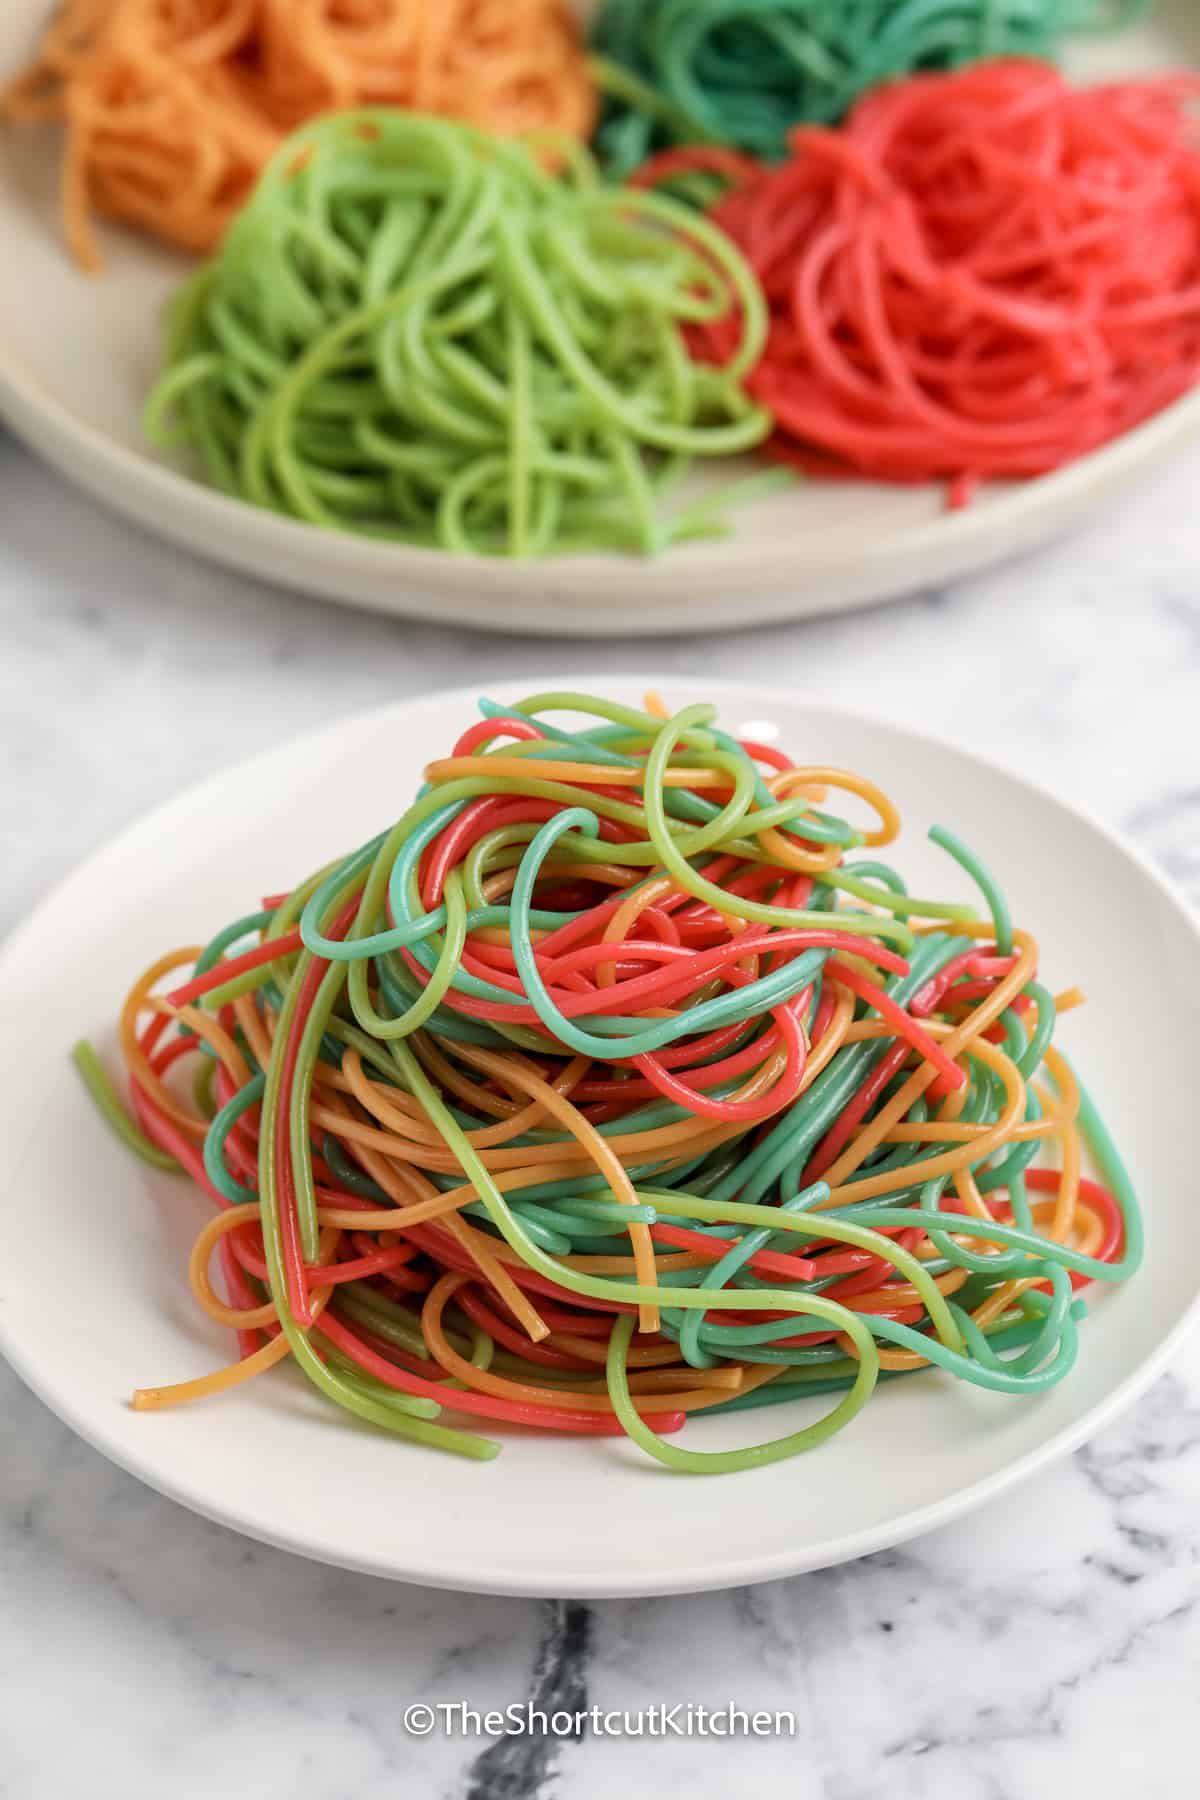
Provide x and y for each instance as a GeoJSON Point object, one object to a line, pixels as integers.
{"type": "Point", "coordinates": [1047, 1644]}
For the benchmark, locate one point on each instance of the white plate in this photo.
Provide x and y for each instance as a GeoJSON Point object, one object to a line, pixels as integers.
{"type": "Point", "coordinates": [94, 1298]}
{"type": "Point", "coordinates": [77, 357]}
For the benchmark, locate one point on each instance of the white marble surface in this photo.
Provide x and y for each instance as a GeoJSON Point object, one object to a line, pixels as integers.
{"type": "Point", "coordinates": [1049, 1644]}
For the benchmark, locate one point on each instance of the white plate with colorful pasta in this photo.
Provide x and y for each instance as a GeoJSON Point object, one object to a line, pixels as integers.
{"type": "Point", "coordinates": [634, 1110]}
{"type": "Point", "coordinates": [471, 435]}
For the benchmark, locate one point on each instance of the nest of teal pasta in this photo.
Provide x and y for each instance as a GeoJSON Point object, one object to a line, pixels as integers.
{"type": "Point", "coordinates": [417, 331]}
{"type": "Point", "coordinates": [621, 1081]}
{"type": "Point", "coordinates": [743, 73]}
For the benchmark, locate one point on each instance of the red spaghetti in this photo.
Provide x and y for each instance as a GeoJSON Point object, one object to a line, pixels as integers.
{"type": "Point", "coordinates": [988, 273]}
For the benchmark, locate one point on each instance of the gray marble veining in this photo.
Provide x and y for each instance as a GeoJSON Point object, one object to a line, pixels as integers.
{"type": "Point", "coordinates": [1049, 1644]}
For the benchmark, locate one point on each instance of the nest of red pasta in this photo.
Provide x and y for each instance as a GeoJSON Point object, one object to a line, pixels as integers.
{"type": "Point", "coordinates": [985, 274]}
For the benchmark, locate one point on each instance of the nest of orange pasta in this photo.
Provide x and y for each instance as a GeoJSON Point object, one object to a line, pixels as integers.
{"type": "Point", "coordinates": [620, 1081]}
{"type": "Point", "coordinates": [172, 111]}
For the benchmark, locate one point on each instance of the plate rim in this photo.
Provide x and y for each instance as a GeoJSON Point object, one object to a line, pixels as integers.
{"type": "Point", "coordinates": [409, 581]}
{"type": "Point", "coordinates": [738, 1571]}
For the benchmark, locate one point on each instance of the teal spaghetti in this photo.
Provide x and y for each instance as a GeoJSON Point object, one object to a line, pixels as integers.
{"type": "Point", "coordinates": [742, 73]}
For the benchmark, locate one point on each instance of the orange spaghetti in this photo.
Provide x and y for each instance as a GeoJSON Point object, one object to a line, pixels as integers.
{"type": "Point", "coordinates": [172, 107]}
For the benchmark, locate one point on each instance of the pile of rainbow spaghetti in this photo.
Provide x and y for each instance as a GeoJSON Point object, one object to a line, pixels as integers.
{"type": "Point", "coordinates": [621, 1081]}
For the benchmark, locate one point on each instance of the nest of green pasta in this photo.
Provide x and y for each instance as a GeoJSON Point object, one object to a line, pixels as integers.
{"type": "Point", "coordinates": [418, 331]}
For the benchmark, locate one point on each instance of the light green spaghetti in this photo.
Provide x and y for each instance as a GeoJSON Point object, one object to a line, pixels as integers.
{"type": "Point", "coordinates": [417, 331]}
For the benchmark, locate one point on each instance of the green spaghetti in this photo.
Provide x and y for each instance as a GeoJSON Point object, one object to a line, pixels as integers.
{"type": "Point", "coordinates": [418, 331]}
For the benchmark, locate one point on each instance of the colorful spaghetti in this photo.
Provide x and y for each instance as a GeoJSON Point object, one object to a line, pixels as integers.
{"type": "Point", "coordinates": [990, 273]}
{"type": "Point", "coordinates": [961, 268]}
{"type": "Point", "coordinates": [172, 111]}
{"type": "Point", "coordinates": [611, 1085]}
{"type": "Point", "coordinates": [745, 72]}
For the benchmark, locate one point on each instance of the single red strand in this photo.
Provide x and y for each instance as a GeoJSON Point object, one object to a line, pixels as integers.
{"type": "Point", "coordinates": [899, 1020]}
{"type": "Point", "coordinates": [222, 972]}
{"type": "Point", "coordinates": [484, 1406]}
{"type": "Point", "coordinates": [766, 1262]}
